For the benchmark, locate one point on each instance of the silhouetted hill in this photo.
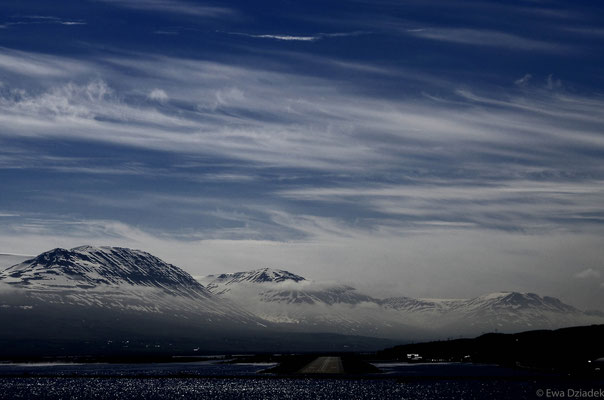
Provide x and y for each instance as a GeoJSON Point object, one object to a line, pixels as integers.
{"type": "Point", "coordinates": [567, 349]}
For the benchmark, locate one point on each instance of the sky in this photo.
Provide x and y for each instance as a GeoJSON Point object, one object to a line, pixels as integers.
{"type": "Point", "coordinates": [419, 148]}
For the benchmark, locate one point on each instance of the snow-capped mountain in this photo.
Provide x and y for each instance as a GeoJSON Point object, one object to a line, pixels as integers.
{"type": "Point", "coordinates": [119, 279]}
{"type": "Point", "coordinates": [101, 295]}
{"type": "Point", "coordinates": [288, 299]}
{"type": "Point", "coordinates": [285, 298]}
{"type": "Point", "coordinates": [110, 300]}
{"type": "Point", "coordinates": [88, 267]}
{"type": "Point", "coordinates": [281, 286]}
{"type": "Point", "coordinates": [98, 296]}
{"type": "Point", "coordinates": [502, 311]}
{"type": "Point", "coordinates": [220, 284]}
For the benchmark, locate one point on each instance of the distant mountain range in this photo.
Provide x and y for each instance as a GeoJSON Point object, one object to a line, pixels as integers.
{"type": "Point", "coordinates": [285, 298]}
{"type": "Point", "coordinates": [110, 299]}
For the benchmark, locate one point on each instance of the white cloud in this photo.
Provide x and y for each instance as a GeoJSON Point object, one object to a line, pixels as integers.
{"type": "Point", "coordinates": [296, 121]}
{"type": "Point", "coordinates": [553, 83]}
{"type": "Point", "coordinates": [588, 273]}
{"type": "Point", "coordinates": [299, 38]}
{"type": "Point", "coordinates": [287, 37]}
{"type": "Point", "coordinates": [174, 6]}
{"type": "Point", "coordinates": [39, 19]}
{"type": "Point", "coordinates": [597, 32]}
{"type": "Point", "coordinates": [484, 37]}
{"type": "Point", "coordinates": [522, 82]}
{"type": "Point", "coordinates": [158, 95]}
{"type": "Point", "coordinates": [40, 65]}
{"type": "Point", "coordinates": [529, 206]}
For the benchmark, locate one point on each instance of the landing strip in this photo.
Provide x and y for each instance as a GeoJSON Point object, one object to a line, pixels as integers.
{"type": "Point", "coordinates": [323, 365]}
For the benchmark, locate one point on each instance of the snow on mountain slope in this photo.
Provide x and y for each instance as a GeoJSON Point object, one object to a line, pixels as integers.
{"type": "Point", "coordinates": [502, 311]}
{"type": "Point", "coordinates": [282, 297]}
{"type": "Point", "coordinates": [275, 285]}
{"type": "Point", "coordinates": [337, 308]}
{"type": "Point", "coordinates": [108, 300]}
{"type": "Point", "coordinates": [220, 284]}
{"type": "Point", "coordinates": [117, 279]}
{"type": "Point", "coordinates": [89, 267]}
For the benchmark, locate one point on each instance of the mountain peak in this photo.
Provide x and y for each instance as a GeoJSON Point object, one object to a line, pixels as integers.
{"type": "Point", "coordinates": [273, 275]}
{"type": "Point", "coordinates": [519, 301]}
{"type": "Point", "coordinates": [220, 284]}
{"type": "Point", "coordinates": [261, 275]}
{"type": "Point", "coordinates": [89, 266]}
{"type": "Point", "coordinates": [89, 248]}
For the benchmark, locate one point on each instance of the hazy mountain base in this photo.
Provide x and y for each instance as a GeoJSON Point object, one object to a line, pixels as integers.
{"type": "Point", "coordinates": [294, 302]}
{"type": "Point", "coordinates": [103, 300]}
{"type": "Point", "coordinates": [41, 329]}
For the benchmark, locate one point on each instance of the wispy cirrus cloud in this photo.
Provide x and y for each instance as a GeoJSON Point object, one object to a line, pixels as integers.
{"type": "Point", "coordinates": [174, 6]}
{"type": "Point", "coordinates": [280, 37]}
{"type": "Point", "coordinates": [39, 20]}
{"type": "Point", "coordinates": [588, 273]}
{"type": "Point", "coordinates": [299, 38]}
{"type": "Point", "coordinates": [38, 65]}
{"type": "Point", "coordinates": [229, 110]}
{"type": "Point", "coordinates": [488, 38]}
{"type": "Point", "coordinates": [593, 31]}
{"type": "Point", "coordinates": [529, 206]}
{"type": "Point", "coordinates": [283, 163]}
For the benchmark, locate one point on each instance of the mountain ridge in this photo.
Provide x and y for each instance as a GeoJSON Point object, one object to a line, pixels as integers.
{"type": "Point", "coordinates": [336, 307]}
{"type": "Point", "coordinates": [121, 280]}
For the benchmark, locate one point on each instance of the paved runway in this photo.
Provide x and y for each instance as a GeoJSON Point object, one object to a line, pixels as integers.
{"type": "Point", "coordinates": [323, 365]}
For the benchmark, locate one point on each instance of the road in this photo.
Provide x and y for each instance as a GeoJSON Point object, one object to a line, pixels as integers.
{"type": "Point", "coordinates": [323, 365]}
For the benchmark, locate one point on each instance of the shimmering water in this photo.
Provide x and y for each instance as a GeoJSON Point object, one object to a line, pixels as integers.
{"type": "Point", "coordinates": [237, 388]}
{"type": "Point", "coordinates": [202, 368]}
{"type": "Point", "coordinates": [209, 380]}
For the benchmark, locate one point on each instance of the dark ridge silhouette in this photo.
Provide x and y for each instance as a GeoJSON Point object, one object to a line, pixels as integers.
{"type": "Point", "coordinates": [575, 349]}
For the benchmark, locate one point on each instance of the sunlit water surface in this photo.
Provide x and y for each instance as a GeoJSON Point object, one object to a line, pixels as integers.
{"type": "Point", "coordinates": [210, 380]}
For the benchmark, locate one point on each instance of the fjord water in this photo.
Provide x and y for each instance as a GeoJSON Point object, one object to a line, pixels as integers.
{"type": "Point", "coordinates": [214, 380]}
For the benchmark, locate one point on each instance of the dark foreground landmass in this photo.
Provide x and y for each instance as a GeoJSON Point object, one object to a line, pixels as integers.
{"type": "Point", "coordinates": [577, 350]}
{"type": "Point", "coordinates": [574, 350]}
{"type": "Point", "coordinates": [130, 347]}
{"type": "Point", "coordinates": [532, 365]}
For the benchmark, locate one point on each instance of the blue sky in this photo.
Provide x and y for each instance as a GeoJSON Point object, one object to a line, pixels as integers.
{"type": "Point", "coordinates": [426, 148]}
